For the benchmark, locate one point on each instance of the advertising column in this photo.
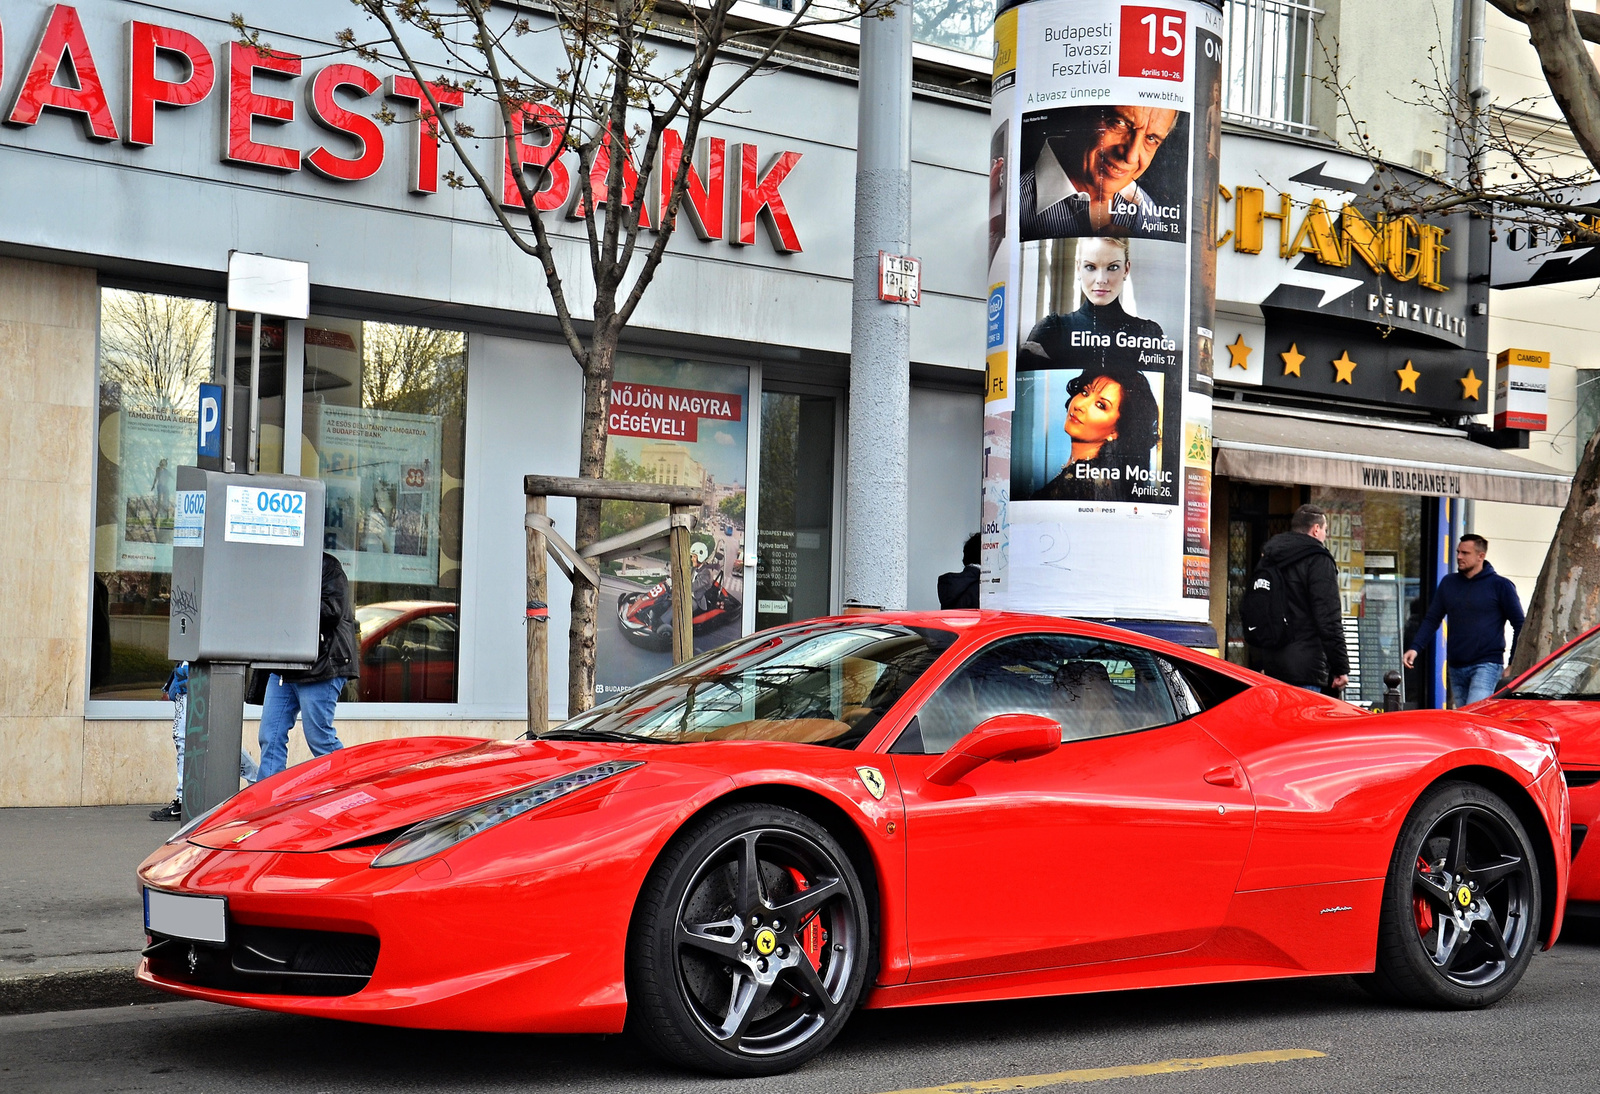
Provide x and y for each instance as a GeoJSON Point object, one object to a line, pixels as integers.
{"type": "Point", "coordinates": [1097, 420]}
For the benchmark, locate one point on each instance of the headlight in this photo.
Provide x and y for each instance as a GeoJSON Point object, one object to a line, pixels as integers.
{"type": "Point", "coordinates": [432, 836]}
{"type": "Point", "coordinates": [183, 833]}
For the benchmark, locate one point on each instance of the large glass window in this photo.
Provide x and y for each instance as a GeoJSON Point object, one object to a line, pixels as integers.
{"type": "Point", "coordinates": [155, 351]}
{"type": "Point", "coordinates": [794, 550]}
{"type": "Point", "coordinates": [384, 419]}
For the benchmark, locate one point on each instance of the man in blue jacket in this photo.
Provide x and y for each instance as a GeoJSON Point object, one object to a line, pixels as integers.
{"type": "Point", "coordinates": [1479, 603]}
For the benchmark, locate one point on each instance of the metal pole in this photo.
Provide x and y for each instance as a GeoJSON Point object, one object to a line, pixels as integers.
{"type": "Point", "coordinates": [253, 456]}
{"type": "Point", "coordinates": [538, 621]}
{"type": "Point", "coordinates": [213, 731]}
{"type": "Point", "coordinates": [876, 474]}
{"type": "Point", "coordinates": [682, 584]}
{"type": "Point", "coordinates": [230, 354]}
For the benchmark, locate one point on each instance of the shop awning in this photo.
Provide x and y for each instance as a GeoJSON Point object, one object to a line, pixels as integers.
{"type": "Point", "coordinates": [1315, 451]}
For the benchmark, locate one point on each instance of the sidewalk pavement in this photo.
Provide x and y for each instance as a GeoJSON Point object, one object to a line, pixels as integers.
{"type": "Point", "coordinates": [71, 917]}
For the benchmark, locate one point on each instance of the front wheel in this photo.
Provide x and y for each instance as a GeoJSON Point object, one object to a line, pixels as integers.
{"type": "Point", "coordinates": [1461, 906]}
{"type": "Point", "coordinates": [751, 944]}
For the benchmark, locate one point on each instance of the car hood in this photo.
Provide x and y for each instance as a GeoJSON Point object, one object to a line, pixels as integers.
{"type": "Point", "coordinates": [1577, 722]}
{"type": "Point", "coordinates": [372, 801]}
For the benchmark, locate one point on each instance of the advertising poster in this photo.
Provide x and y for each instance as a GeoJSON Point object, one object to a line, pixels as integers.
{"type": "Point", "coordinates": [151, 445]}
{"type": "Point", "coordinates": [382, 470]}
{"type": "Point", "coordinates": [1097, 419]}
{"type": "Point", "coordinates": [681, 423]}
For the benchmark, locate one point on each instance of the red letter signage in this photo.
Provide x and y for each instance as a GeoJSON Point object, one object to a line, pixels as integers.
{"type": "Point", "coordinates": [425, 153]}
{"type": "Point", "coordinates": [245, 105]}
{"type": "Point", "coordinates": [703, 201]}
{"type": "Point", "coordinates": [146, 90]}
{"type": "Point", "coordinates": [63, 43]}
{"type": "Point", "coordinates": [556, 183]}
{"type": "Point", "coordinates": [327, 112]}
{"type": "Point", "coordinates": [598, 182]}
{"type": "Point", "coordinates": [759, 195]}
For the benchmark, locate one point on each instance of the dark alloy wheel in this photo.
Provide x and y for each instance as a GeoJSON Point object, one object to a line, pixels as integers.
{"type": "Point", "coordinates": [1461, 906]}
{"type": "Point", "coordinates": [751, 943]}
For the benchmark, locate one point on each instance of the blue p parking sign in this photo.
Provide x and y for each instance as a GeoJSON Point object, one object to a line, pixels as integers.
{"type": "Point", "coordinates": [210, 439]}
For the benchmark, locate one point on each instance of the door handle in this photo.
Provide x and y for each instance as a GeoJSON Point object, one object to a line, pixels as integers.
{"type": "Point", "coordinates": [1226, 775]}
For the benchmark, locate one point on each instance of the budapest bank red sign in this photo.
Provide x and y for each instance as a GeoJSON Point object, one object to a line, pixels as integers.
{"type": "Point", "coordinates": [667, 413]}
{"type": "Point", "coordinates": [169, 69]}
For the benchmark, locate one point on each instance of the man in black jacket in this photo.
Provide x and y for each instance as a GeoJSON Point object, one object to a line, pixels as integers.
{"type": "Point", "coordinates": [959, 588]}
{"type": "Point", "coordinates": [1314, 657]}
{"type": "Point", "coordinates": [313, 693]}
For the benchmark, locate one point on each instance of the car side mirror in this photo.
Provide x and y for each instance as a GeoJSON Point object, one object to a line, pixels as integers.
{"type": "Point", "coordinates": [1005, 737]}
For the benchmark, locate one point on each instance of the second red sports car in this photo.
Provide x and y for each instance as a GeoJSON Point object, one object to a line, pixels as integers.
{"type": "Point", "coordinates": [892, 810]}
{"type": "Point", "coordinates": [1562, 692]}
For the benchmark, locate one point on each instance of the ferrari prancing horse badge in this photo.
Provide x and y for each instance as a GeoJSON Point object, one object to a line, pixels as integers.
{"type": "Point", "coordinates": [872, 779]}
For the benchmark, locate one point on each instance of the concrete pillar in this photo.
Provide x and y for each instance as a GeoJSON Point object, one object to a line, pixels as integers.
{"type": "Point", "coordinates": [876, 474]}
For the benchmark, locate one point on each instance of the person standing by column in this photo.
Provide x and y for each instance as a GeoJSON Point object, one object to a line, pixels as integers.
{"type": "Point", "coordinates": [1313, 655]}
{"type": "Point", "coordinates": [176, 691]}
{"type": "Point", "coordinates": [959, 588]}
{"type": "Point", "coordinates": [1479, 603]}
{"type": "Point", "coordinates": [313, 693]}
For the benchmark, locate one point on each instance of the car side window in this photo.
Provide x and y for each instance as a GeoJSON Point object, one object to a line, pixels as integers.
{"type": "Point", "coordinates": [1093, 688]}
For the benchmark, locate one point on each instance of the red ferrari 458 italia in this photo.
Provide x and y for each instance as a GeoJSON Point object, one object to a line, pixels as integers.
{"type": "Point", "coordinates": [880, 810]}
{"type": "Point", "coordinates": [1562, 693]}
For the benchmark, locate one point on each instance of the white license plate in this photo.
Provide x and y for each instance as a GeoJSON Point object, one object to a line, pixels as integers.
{"type": "Point", "coordinates": [200, 918]}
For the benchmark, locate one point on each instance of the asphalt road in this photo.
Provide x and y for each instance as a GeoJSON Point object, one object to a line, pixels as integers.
{"type": "Point", "coordinates": [1543, 1038]}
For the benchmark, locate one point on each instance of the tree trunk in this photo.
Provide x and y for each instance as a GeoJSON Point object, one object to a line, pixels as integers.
{"type": "Point", "coordinates": [1566, 601]}
{"type": "Point", "coordinates": [591, 465]}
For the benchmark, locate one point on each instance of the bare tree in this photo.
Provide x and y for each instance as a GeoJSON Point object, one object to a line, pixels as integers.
{"type": "Point", "coordinates": [636, 81]}
{"type": "Point", "coordinates": [158, 348]}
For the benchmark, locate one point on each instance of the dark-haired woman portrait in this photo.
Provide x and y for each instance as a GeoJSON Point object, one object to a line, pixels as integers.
{"type": "Point", "coordinates": [1113, 422]}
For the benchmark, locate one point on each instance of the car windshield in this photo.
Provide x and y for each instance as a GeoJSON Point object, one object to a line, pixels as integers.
{"type": "Point", "coordinates": [372, 617]}
{"type": "Point", "coordinates": [825, 684]}
{"type": "Point", "coordinates": [1573, 675]}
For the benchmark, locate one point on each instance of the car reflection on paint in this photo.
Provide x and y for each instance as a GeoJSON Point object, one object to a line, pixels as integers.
{"type": "Point", "coordinates": [408, 651]}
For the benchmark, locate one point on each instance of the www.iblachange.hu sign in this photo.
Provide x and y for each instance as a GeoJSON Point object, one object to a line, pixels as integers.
{"type": "Point", "coordinates": [1411, 480]}
{"type": "Point", "coordinates": [667, 413]}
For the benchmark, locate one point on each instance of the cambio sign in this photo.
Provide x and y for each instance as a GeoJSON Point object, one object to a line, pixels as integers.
{"type": "Point", "coordinates": [169, 69]}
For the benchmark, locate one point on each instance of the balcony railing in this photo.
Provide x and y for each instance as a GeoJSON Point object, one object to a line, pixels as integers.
{"type": "Point", "coordinates": [1267, 62]}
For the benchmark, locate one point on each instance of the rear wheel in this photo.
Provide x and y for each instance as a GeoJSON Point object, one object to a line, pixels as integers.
{"type": "Point", "coordinates": [1461, 905]}
{"type": "Point", "coordinates": [751, 944]}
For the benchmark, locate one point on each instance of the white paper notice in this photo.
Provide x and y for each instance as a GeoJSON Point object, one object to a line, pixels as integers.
{"type": "Point", "coordinates": [276, 517]}
{"type": "Point", "coordinates": [189, 519]}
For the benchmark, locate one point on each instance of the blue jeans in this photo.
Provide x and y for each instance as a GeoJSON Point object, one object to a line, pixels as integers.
{"type": "Point", "coordinates": [285, 699]}
{"type": "Point", "coordinates": [1469, 683]}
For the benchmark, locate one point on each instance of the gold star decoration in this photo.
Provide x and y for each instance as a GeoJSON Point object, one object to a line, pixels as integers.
{"type": "Point", "coordinates": [1238, 353]}
{"type": "Point", "coordinates": [1470, 385]}
{"type": "Point", "coordinates": [1292, 359]}
{"type": "Point", "coordinates": [1408, 378]}
{"type": "Point", "coordinates": [1345, 367]}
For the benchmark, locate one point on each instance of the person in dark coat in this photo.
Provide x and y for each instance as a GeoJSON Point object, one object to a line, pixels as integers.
{"type": "Point", "coordinates": [1479, 603]}
{"type": "Point", "coordinates": [1314, 657]}
{"type": "Point", "coordinates": [959, 588]}
{"type": "Point", "coordinates": [313, 693]}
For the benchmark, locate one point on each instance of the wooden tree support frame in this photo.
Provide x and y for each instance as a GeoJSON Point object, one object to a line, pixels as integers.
{"type": "Point", "coordinates": [543, 541]}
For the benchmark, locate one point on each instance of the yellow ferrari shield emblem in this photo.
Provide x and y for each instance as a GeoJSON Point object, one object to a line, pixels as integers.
{"type": "Point", "coordinates": [1464, 896]}
{"type": "Point", "coordinates": [766, 942]}
{"type": "Point", "coordinates": [872, 779]}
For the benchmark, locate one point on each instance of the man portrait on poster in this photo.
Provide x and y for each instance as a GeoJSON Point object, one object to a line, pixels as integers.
{"type": "Point", "coordinates": [1104, 170]}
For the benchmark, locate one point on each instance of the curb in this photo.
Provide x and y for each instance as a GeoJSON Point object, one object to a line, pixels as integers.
{"type": "Point", "coordinates": [76, 989]}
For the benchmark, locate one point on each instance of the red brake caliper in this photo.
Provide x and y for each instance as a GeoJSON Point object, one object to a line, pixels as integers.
{"type": "Point", "coordinates": [813, 939]}
{"type": "Point", "coordinates": [1419, 905]}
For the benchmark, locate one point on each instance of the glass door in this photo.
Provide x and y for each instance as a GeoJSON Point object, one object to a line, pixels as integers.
{"type": "Point", "coordinates": [794, 543]}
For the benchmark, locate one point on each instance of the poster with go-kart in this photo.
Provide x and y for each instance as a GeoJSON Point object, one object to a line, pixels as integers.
{"type": "Point", "coordinates": [680, 423]}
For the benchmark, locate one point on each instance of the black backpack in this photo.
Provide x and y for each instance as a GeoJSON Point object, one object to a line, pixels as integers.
{"type": "Point", "coordinates": [1264, 608]}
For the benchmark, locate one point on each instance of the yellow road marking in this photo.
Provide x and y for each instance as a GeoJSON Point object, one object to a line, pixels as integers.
{"type": "Point", "coordinates": [1097, 1074]}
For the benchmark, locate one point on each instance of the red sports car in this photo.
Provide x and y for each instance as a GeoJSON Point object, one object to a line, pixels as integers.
{"type": "Point", "coordinates": [1562, 692]}
{"type": "Point", "coordinates": [887, 810]}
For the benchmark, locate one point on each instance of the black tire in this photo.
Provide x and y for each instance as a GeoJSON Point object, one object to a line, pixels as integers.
{"type": "Point", "coordinates": [742, 979]}
{"type": "Point", "coordinates": [1461, 905]}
